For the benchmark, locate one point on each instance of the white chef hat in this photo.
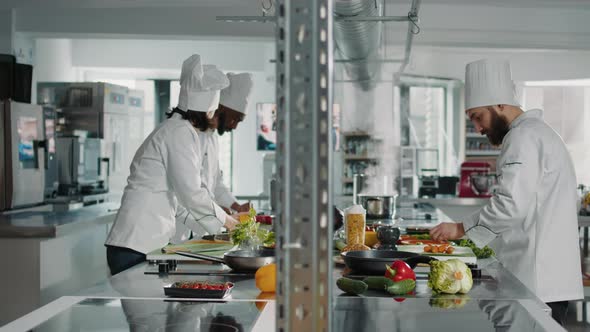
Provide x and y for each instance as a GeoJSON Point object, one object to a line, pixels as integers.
{"type": "Point", "coordinates": [235, 96]}
{"type": "Point", "coordinates": [489, 82]}
{"type": "Point", "coordinates": [200, 85]}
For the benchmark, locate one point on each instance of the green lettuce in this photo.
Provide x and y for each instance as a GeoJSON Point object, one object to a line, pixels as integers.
{"type": "Point", "coordinates": [248, 234]}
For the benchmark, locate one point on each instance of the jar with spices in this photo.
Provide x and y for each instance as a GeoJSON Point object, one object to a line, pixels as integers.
{"type": "Point", "coordinates": [354, 227]}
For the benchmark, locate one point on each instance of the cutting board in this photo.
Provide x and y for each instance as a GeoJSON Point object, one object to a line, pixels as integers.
{"type": "Point", "coordinates": [211, 248]}
{"type": "Point", "coordinates": [462, 253]}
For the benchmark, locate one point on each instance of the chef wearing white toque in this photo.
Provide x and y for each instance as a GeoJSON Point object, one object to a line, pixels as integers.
{"type": "Point", "coordinates": [233, 104]}
{"type": "Point", "coordinates": [166, 172]}
{"type": "Point", "coordinates": [531, 220]}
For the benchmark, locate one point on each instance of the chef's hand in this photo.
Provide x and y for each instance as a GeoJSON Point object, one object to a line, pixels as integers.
{"type": "Point", "coordinates": [447, 231]}
{"type": "Point", "coordinates": [241, 208]}
{"type": "Point", "coordinates": [230, 222]}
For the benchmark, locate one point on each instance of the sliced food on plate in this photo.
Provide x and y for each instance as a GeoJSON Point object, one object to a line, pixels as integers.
{"type": "Point", "coordinates": [439, 249]}
{"type": "Point", "coordinates": [419, 239]}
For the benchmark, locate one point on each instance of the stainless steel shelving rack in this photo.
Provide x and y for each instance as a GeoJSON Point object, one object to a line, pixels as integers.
{"type": "Point", "coordinates": [304, 61]}
{"type": "Point", "coordinates": [304, 215]}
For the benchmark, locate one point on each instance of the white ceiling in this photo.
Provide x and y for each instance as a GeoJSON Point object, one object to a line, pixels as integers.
{"type": "Point", "coordinates": [526, 24]}
{"type": "Point", "coordinates": [5, 4]}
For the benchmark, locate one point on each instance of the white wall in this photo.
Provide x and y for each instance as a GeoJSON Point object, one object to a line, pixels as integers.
{"type": "Point", "coordinates": [247, 162]}
{"type": "Point", "coordinates": [53, 61]}
{"type": "Point", "coordinates": [527, 65]}
{"type": "Point", "coordinates": [5, 31]}
{"type": "Point", "coordinates": [167, 54]}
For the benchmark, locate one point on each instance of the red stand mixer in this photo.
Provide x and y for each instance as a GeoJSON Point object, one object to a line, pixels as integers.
{"type": "Point", "coordinates": [477, 180]}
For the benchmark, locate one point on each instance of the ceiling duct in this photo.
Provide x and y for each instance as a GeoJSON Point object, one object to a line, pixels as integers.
{"type": "Point", "coordinates": [358, 41]}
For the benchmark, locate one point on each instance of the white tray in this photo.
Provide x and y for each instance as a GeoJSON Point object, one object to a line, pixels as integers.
{"type": "Point", "coordinates": [462, 253]}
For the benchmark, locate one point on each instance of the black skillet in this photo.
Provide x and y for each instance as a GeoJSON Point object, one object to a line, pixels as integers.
{"type": "Point", "coordinates": [372, 262]}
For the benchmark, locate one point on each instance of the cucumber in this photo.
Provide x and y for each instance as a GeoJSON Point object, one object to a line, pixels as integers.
{"type": "Point", "coordinates": [402, 287]}
{"type": "Point", "coordinates": [378, 283]}
{"type": "Point", "coordinates": [351, 286]}
{"type": "Point", "coordinates": [339, 244]}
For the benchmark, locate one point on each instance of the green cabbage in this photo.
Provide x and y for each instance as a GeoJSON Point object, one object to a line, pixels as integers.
{"type": "Point", "coordinates": [450, 277]}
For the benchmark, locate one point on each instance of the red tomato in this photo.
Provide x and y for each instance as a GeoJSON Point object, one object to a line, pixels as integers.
{"type": "Point", "coordinates": [399, 299]}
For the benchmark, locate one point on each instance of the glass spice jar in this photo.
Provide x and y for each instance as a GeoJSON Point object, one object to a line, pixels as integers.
{"type": "Point", "coordinates": [354, 224]}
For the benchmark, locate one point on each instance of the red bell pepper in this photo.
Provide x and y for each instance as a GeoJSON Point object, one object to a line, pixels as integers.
{"type": "Point", "coordinates": [399, 270]}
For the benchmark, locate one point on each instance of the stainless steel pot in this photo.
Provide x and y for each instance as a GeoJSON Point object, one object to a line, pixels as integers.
{"type": "Point", "coordinates": [378, 207]}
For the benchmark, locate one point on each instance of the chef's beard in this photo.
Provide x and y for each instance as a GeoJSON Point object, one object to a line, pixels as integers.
{"type": "Point", "coordinates": [498, 129]}
{"type": "Point", "coordinates": [221, 123]}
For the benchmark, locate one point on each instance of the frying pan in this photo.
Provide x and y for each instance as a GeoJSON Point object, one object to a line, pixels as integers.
{"type": "Point", "coordinates": [238, 260]}
{"type": "Point", "coordinates": [370, 262]}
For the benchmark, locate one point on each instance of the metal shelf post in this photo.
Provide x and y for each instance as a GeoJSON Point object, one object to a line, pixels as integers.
{"type": "Point", "coordinates": [304, 213]}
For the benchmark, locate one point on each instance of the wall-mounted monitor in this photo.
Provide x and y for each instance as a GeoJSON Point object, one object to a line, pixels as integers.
{"type": "Point", "coordinates": [266, 126]}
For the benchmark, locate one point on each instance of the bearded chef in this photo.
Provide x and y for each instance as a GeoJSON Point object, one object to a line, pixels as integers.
{"type": "Point", "coordinates": [166, 172]}
{"type": "Point", "coordinates": [531, 220]}
{"type": "Point", "coordinates": [233, 104]}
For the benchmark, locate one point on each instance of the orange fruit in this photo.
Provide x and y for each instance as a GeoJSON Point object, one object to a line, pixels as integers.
{"type": "Point", "coordinates": [264, 296]}
{"type": "Point", "coordinates": [266, 278]}
{"type": "Point", "coordinates": [371, 238]}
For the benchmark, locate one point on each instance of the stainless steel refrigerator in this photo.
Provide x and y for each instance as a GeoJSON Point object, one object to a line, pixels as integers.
{"type": "Point", "coordinates": [82, 167]}
{"type": "Point", "coordinates": [23, 155]}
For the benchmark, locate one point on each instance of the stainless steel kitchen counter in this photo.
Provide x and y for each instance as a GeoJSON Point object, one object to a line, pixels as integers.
{"type": "Point", "coordinates": [497, 284]}
{"type": "Point", "coordinates": [134, 283]}
{"type": "Point", "coordinates": [499, 289]}
{"type": "Point", "coordinates": [51, 254]}
{"type": "Point", "coordinates": [46, 224]}
{"type": "Point", "coordinates": [132, 297]}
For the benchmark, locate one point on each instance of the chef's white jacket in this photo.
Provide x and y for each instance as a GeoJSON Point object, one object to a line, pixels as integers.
{"type": "Point", "coordinates": [531, 220]}
{"type": "Point", "coordinates": [212, 181]}
{"type": "Point", "coordinates": [165, 172]}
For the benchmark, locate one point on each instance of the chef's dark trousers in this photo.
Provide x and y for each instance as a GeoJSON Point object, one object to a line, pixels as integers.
{"type": "Point", "coordinates": [559, 311]}
{"type": "Point", "coordinates": [120, 259]}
